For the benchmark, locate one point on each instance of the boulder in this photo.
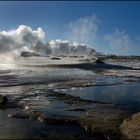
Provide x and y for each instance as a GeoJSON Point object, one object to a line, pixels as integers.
{"type": "Point", "coordinates": [131, 127]}
{"type": "Point", "coordinates": [99, 61]}
{"type": "Point", "coordinates": [3, 100]}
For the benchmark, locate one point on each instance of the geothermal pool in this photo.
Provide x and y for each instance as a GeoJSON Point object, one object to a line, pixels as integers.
{"type": "Point", "coordinates": [59, 99]}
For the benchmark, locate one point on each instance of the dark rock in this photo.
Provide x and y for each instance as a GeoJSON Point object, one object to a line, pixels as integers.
{"type": "Point", "coordinates": [55, 58]}
{"type": "Point", "coordinates": [28, 54]}
{"type": "Point", "coordinates": [78, 109]}
{"type": "Point", "coordinates": [99, 61]}
{"type": "Point", "coordinates": [3, 100]}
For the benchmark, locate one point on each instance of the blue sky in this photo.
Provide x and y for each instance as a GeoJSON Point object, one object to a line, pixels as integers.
{"type": "Point", "coordinates": [116, 24]}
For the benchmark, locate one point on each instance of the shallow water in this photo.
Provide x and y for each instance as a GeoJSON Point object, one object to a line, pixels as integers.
{"type": "Point", "coordinates": [122, 94]}
{"type": "Point", "coordinates": [23, 129]}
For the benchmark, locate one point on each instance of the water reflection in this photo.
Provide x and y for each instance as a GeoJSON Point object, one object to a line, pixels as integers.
{"type": "Point", "coordinates": [127, 94]}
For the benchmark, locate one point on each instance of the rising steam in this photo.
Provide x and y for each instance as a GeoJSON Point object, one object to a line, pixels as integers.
{"type": "Point", "coordinates": [63, 47]}
{"type": "Point", "coordinates": [23, 36]}
{"type": "Point", "coordinates": [25, 39]}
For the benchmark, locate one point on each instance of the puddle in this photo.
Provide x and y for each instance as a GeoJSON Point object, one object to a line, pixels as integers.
{"type": "Point", "coordinates": [125, 94]}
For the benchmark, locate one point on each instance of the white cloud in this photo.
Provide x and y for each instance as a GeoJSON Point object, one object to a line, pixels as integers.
{"type": "Point", "coordinates": [119, 41]}
{"type": "Point", "coordinates": [20, 37]}
{"type": "Point", "coordinates": [84, 30]}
